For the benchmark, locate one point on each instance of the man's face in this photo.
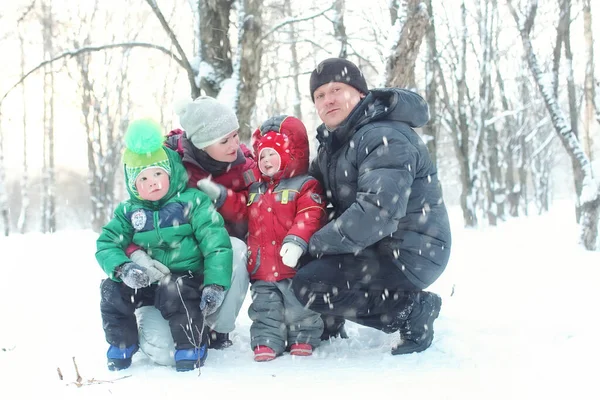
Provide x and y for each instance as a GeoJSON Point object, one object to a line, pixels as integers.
{"type": "Point", "coordinates": [334, 101]}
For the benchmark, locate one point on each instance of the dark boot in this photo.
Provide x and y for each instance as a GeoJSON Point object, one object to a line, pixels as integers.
{"type": "Point", "coordinates": [333, 327]}
{"type": "Point", "coordinates": [218, 341]}
{"type": "Point", "coordinates": [415, 322]}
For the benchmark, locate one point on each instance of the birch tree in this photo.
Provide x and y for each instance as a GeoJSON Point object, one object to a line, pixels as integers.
{"type": "Point", "coordinates": [48, 171]}
{"type": "Point", "coordinates": [588, 199]}
{"type": "Point", "coordinates": [25, 200]}
{"type": "Point", "coordinates": [589, 87]}
{"type": "Point", "coordinates": [4, 208]}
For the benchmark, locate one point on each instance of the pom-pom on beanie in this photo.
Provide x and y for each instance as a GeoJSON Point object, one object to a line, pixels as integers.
{"type": "Point", "coordinates": [337, 70]}
{"type": "Point", "coordinates": [143, 149]}
{"type": "Point", "coordinates": [206, 120]}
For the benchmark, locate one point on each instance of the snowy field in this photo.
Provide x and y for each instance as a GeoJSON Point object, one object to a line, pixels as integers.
{"type": "Point", "coordinates": [520, 319]}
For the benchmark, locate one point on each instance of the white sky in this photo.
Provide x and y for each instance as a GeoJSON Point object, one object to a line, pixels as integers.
{"type": "Point", "coordinates": [522, 323]}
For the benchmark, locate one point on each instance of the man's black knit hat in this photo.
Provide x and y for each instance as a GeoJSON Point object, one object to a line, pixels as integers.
{"type": "Point", "coordinates": [337, 70]}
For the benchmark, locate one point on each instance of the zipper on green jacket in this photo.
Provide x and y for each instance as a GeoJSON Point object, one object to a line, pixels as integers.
{"type": "Point", "coordinates": [155, 217]}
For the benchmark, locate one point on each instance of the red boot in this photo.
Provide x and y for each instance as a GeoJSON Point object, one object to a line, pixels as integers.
{"type": "Point", "coordinates": [264, 353]}
{"type": "Point", "coordinates": [301, 349]}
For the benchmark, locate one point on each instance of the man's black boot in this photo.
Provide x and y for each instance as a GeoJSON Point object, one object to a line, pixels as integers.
{"type": "Point", "coordinates": [333, 327]}
{"type": "Point", "coordinates": [415, 322]}
{"type": "Point", "coordinates": [218, 341]}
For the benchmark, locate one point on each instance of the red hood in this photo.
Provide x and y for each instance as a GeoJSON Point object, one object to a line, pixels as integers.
{"type": "Point", "coordinates": [294, 129]}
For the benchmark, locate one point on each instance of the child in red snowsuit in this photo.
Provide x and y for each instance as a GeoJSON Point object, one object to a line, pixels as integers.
{"type": "Point", "coordinates": [285, 207]}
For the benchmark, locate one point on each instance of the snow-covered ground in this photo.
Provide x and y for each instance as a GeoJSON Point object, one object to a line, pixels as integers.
{"type": "Point", "coordinates": [520, 319]}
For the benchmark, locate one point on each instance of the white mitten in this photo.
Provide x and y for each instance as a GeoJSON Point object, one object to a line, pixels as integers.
{"type": "Point", "coordinates": [155, 269]}
{"type": "Point", "coordinates": [290, 253]}
{"type": "Point", "coordinates": [212, 190]}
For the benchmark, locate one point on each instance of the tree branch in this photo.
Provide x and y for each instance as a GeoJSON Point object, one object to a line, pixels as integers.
{"type": "Point", "coordinates": [184, 60]}
{"type": "Point", "coordinates": [89, 49]}
{"type": "Point", "coordinates": [288, 21]}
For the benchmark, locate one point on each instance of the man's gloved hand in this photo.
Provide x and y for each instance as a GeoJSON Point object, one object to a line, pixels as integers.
{"type": "Point", "coordinates": [212, 298]}
{"type": "Point", "coordinates": [133, 275]}
{"type": "Point", "coordinates": [155, 269]}
{"type": "Point", "coordinates": [211, 189]}
{"type": "Point", "coordinates": [290, 253]}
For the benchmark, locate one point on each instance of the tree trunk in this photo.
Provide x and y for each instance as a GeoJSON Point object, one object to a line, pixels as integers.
{"type": "Point", "coordinates": [215, 47]}
{"type": "Point", "coordinates": [400, 66]}
{"type": "Point", "coordinates": [49, 201]}
{"type": "Point", "coordinates": [431, 130]}
{"type": "Point", "coordinates": [339, 29]}
{"type": "Point", "coordinates": [467, 173]}
{"type": "Point", "coordinates": [4, 209]}
{"type": "Point", "coordinates": [24, 213]}
{"type": "Point", "coordinates": [250, 56]}
{"type": "Point", "coordinates": [589, 90]}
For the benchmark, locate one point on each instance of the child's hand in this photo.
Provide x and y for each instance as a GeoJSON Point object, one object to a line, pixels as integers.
{"type": "Point", "coordinates": [155, 269]}
{"type": "Point", "coordinates": [290, 253]}
{"type": "Point", "coordinates": [212, 298]}
{"type": "Point", "coordinates": [211, 189]}
{"type": "Point", "coordinates": [133, 275]}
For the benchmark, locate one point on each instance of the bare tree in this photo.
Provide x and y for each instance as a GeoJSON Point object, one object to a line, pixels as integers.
{"type": "Point", "coordinates": [24, 212]}
{"type": "Point", "coordinates": [48, 180]}
{"type": "Point", "coordinates": [588, 198]}
{"type": "Point", "coordinates": [589, 87]}
{"type": "Point", "coordinates": [105, 106]}
{"type": "Point", "coordinates": [4, 208]}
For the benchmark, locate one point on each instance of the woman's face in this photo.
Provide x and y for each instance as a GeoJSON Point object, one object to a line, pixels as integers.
{"type": "Point", "coordinates": [225, 150]}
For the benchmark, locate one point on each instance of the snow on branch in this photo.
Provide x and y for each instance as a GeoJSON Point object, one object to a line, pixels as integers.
{"type": "Point", "coordinates": [89, 49]}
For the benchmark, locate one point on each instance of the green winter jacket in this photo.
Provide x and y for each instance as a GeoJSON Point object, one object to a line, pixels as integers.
{"type": "Point", "coordinates": [182, 230]}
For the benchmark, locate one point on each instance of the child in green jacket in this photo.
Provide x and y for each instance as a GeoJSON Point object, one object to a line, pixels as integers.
{"type": "Point", "coordinates": [190, 250]}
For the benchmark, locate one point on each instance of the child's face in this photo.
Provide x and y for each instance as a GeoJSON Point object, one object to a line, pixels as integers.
{"type": "Point", "coordinates": [269, 162]}
{"type": "Point", "coordinates": [152, 184]}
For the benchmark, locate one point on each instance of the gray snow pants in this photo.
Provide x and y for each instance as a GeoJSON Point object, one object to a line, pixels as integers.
{"type": "Point", "coordinates": [278, 318]}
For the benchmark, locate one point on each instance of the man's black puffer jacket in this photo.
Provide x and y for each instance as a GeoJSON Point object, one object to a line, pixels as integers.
{"type": "Point", "coordinates": [383, 186]}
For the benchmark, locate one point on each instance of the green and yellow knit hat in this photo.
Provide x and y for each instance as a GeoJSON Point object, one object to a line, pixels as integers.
{"type": "Point", "coordinates": [143, 149]}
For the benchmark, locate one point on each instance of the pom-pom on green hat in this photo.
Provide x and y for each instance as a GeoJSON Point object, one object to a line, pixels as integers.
{"type": "Point", "coordinates": [144, 149]}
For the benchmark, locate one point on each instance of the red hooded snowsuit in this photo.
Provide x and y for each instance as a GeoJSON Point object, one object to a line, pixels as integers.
{"type": "Point", "coordinates": [288, 207]}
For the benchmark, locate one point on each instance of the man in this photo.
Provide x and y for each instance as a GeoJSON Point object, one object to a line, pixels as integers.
{"type": "Point", "coordinates": [388, 237]}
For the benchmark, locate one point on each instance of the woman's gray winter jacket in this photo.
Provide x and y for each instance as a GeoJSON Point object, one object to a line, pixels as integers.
{"type": "Point", "coordinates": [383, 186]}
